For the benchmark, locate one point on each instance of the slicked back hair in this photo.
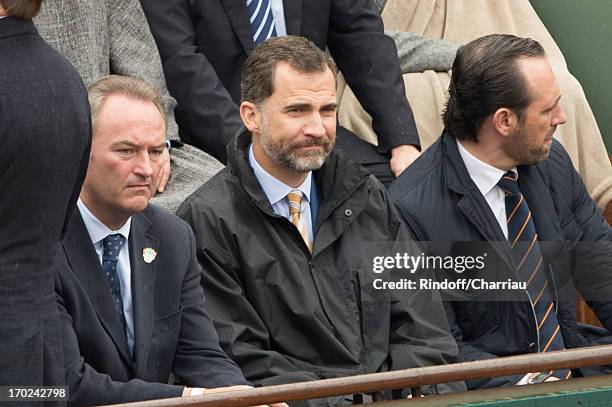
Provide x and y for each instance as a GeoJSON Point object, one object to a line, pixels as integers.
{"type": "Point", "coordinates": [24, 9]}
{"type": "Point", "coordinates": [125, 86]}
{"type": "Point", "coordinates": [257, 81]}
{"type": "Point", "coordinates": [486, 78]}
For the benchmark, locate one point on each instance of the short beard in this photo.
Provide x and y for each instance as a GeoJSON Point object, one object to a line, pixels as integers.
{"type": "Point", "coordinates": [518, 148]}
{"type": "Point", "coordinates": [286, 155]}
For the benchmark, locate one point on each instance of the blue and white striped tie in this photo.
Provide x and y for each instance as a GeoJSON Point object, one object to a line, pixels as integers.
{"type": "Point", "coordinates": [262, 20]}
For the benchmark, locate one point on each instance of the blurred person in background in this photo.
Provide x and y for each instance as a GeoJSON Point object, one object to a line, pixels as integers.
{"type": "Point", "coordinates": [45, 132]}
{"type": "Point", "coordinates": [101, 37]}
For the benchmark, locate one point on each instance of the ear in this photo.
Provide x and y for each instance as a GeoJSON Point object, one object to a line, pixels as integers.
{"type": "Point", "coordinates": [504, 120]}
{"type": "Point", "coordinates": [251, 116]}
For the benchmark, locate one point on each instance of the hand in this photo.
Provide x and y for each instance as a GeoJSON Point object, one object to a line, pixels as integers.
{"type": "Point", "coordinates": [193, 391]}
{"type": "Point", "coordinates": [164, 173]}
{"type": "Point", "coordinates": [239, 387]}
{"type": "Point", "coordinates": [402, 157]}
{"type": "Point", "coordinates": [215, 390]}
{"type": "Point", "coordinates": [531, 378]}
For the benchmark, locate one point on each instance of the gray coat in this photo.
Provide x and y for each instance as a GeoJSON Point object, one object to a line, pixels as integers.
{"type": "Point", "coordinates": [106, 37]}
{"type": "Point", "coordinates": [101, 37]}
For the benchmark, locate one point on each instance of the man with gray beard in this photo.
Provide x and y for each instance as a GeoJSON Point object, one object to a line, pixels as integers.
{"type": "Point", "coordinates": [283, 234]}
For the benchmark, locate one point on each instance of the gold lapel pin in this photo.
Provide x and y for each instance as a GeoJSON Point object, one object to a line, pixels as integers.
{"type": "Point", "coordinates": [148, 254]}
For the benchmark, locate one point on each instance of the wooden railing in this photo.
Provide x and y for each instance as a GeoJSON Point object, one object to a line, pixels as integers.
{"type": "Point", "coordinates": [410, 378]}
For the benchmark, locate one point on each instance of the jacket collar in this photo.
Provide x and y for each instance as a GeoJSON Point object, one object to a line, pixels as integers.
{"type": "Point", "coordinates": [456, 174]}
{"type": "Point", "coordinates": [143, 286]}
{"type": "Point", "coordinates": [472, 203]}
{"type": "Point", "coordinates": [533, 186]}
{"type": "Point", "coordinates": [239, 18]}
{"type": "Point", "coordinates": [85, 265]}
{"type": "Point", "coordinates": [336, 180]}
{"type": "Point", "coordinates": [13, 26]}
{"type": "Point", "coordinates": [84, 262]}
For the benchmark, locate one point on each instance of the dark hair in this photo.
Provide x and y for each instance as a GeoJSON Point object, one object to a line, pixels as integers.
{"type": "Point", "coordinates": [486, 78]}
{"type": "Point", "coordinates": [257, 81]}
{"type": "Point", "coordinates": [24, 9]}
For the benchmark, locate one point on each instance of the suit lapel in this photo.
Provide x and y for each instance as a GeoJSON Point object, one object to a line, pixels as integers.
{"type": "Point", "coordinates": [239, 18]}
{"type": "Point", "coordinates": [476, 210]}
{"type": "Point", "coordinates": [542, 208]}
{"type": "Point", "coordinates": [293, 16]}
{"type": "Point", "coordinates": [472, 203]}
{"type": "Point", "coordinates": [143, 286]}
{"type": "Point", "coordinates": [84, 262]}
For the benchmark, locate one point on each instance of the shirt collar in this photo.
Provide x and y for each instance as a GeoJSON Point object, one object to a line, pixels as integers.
{"type": "Point", "coordinates": [98, 230]}
{"type": "Point", "coordinates": [275, 189]}
{"type": "Point", "coordinates": [485, 176]}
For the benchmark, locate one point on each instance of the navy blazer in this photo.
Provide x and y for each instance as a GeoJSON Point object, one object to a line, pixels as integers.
{"type": "Point", "coordinates": [204, 43]}
{"type": "Point", "coordinates": [172, 331]}
{"type": "Point", "coordinates": [443, 207]}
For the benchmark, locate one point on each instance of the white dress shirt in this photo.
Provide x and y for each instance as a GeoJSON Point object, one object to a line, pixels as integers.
{"type": "Point", "coordinates": [277, 191]}
{"type": "Point", "coordinates": [278, 11]}
{"type": "Point", "coordinates": [97, 232]}
{"type": "Point", "coordinates": [1, 17]}
{"type": "Point", "coordinates": [486, 178]}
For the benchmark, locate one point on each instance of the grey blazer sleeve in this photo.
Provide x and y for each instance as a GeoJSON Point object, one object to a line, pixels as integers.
{"type": "Point", "coordinates": [133, 52]}
{"type": "Point", "coordinates": [418, 54]}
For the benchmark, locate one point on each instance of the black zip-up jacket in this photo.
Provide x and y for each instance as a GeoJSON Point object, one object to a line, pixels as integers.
{"type": "Point", "coordinates": [285, 315]}
{"type": "Point", "coordinates": [442, 206]}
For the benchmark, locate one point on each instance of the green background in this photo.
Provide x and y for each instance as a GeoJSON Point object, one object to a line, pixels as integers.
{"type": "Point", "coordinates": [583, 31]}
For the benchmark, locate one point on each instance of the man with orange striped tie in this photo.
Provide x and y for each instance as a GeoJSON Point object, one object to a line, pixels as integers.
{"type": "Point", "coordinates": [498, 187]}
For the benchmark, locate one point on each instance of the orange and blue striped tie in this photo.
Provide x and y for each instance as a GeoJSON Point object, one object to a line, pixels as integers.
{"type": "Point", "coordinates": [295, 215]}
{"type": "Point", "coordinates": [530, 268]}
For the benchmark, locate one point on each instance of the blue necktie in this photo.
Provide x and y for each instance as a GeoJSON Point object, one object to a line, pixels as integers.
{"type": "Point", "coordinates": [525, 247]}
{"type": "Point", "coordinates": [262, 20]}
{"type": "Point", "coordinates": [111, 246]}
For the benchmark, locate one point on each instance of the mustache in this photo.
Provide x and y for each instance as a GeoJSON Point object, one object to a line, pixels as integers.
{"type": "Point", "coordinates": [324, 142]}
